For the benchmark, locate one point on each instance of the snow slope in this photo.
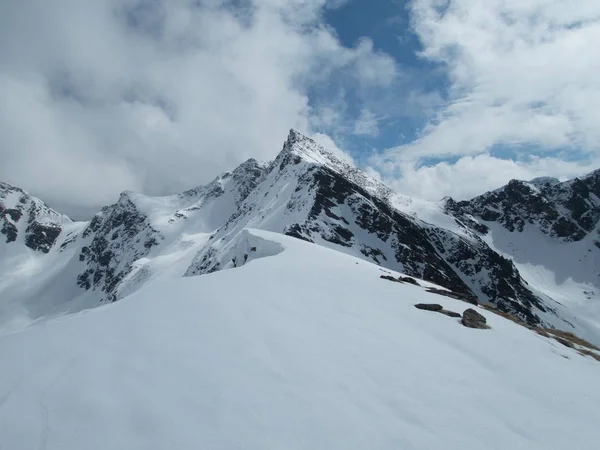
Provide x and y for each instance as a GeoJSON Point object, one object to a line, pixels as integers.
{"type": "Point", "coordinates": [563, 272]}
{"type": "Point", "coordinates": [304, 348]}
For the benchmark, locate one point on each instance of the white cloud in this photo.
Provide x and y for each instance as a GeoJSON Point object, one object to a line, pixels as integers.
{"type": "Point", "coordinates": [366, 124]}
{"type": "Point", "coordinates": [374, 68]}
{"type": "Point", "coordinates": [523, 77]}
{"type": "Point", "coordinates": [474, 175]}
{"type": "Point", "coordinates": [160, 95]}
{"type": "Point", "coordinates": [521, 72]}
{"type": "Point", "coordinates": [330, 145]}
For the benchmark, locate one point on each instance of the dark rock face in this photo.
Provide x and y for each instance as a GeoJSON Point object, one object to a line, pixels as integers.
{"type": "Point", "coordinates": [472, 319]}
{"type": "Point", "coordinates": [409, 241]}
{"type": "Point", "coordinates": [41, 225]}
{"type": "Point", "coordinates": [118, 236]}
{"type": "Point", "coordinates": [426, 252]}
{"type": "Point", "coordinates": [568, 210]}
{"type": "Point", "coordinates": [9, 230]}
{"type": "Point", "coordinates": [41, 237]}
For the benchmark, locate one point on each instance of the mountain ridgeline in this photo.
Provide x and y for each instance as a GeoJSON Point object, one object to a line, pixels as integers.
{"type": "Point", "coordinates": [481, 249]}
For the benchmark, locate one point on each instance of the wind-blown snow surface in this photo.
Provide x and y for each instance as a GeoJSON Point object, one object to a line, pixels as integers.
{"type": "Point", "coordinates": [304, 348]}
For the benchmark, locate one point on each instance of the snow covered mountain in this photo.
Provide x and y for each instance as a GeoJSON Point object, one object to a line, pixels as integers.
{"type": "Point", "coordinates": [303, 348]}
{"type": "Point", "coordinates": [346, 320]}
{"type": "Point", "coordinates": [310, 194]}
{"type": "Point", "coordinates": [28, 221]}
{"type": "Point", "coordinates": [551, 232]}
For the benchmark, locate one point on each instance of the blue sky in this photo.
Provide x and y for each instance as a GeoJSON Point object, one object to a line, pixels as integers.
{"type": "Point", "coordinates": [387, 25]}
{"type": "Point", "coordinates": [391, 27]}
{"type": "Point", "coordinates": [161, 95]}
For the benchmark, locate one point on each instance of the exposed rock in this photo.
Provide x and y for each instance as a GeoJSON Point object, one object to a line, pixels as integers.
{"type": "Point", "coordinates": [472, 319]}
{"type": "Point", "coordinates": [450, 313]}
{"type": "Point", "coordinates": [429, 307]}
{"type": "Point", "coordinates": [41, 237]}
{"type": "Point", "coordinates": [120, 234]}
{"type": "Point", "coordinates": [568, 210]}
{"type": "Point", "coordinates": [10, 231]}
{"type": "Point", "coordinates": [409, 280]}
{"type": "Point", "coordinates": [564, 342]}
{"type": "Point", "coordinates": [39, 224]}
{"type": "Point", "coordinates": [390, 278]}
{"type": "Point", "coordinates": [400, 279]}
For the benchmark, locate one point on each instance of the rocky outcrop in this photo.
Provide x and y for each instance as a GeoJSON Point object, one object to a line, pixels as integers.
{"type": "Point", "coordinates": [114, 239]}
{"type": "Point", "coordinates": [568, 211]}
{"type": "Point", "coordinates": [22, 215]}
{"type": "Point", "coordinates": [472, 319]}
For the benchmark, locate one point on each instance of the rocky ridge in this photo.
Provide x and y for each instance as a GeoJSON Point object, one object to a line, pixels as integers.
{"type": "Point", "coordinates": [309, 193]}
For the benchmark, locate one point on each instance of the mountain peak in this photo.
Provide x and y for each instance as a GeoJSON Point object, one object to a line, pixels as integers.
{"type": "Point", "coordinates": [311, 151]}
{"type": "Point", "coordinates": [295, 136]}
{"type": "Point", "coordinates": [300, 148]}
{"type": "Point", "coordinates": [6, 188]}
{"type": "Point", "coordinates": [301, 144]}
{"type": "Point", "coordinates": [544, 181]}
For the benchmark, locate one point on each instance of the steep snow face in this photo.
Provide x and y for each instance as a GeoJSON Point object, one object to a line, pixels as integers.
{"type": "Point", "coordinates": [308, 348]}
{"type": "Point", "coordinates": [30, 233]}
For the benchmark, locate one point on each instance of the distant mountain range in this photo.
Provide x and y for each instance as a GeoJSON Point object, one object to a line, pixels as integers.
{"type": "Point", "coordinates": [532, 248]}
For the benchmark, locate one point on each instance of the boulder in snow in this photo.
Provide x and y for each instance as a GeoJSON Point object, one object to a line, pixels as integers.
{"type": "Point", "coordinates": [472, 319]}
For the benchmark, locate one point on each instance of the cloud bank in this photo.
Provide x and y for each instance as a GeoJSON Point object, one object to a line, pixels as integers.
{"type": "Point", "coordinates": [523, 95]}
{"type": "Point", "coordinates": [161, 95]}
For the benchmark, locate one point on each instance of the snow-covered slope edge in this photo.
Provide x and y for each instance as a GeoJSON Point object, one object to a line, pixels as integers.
{"type": "Point", "coordinates": [305, 349]}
